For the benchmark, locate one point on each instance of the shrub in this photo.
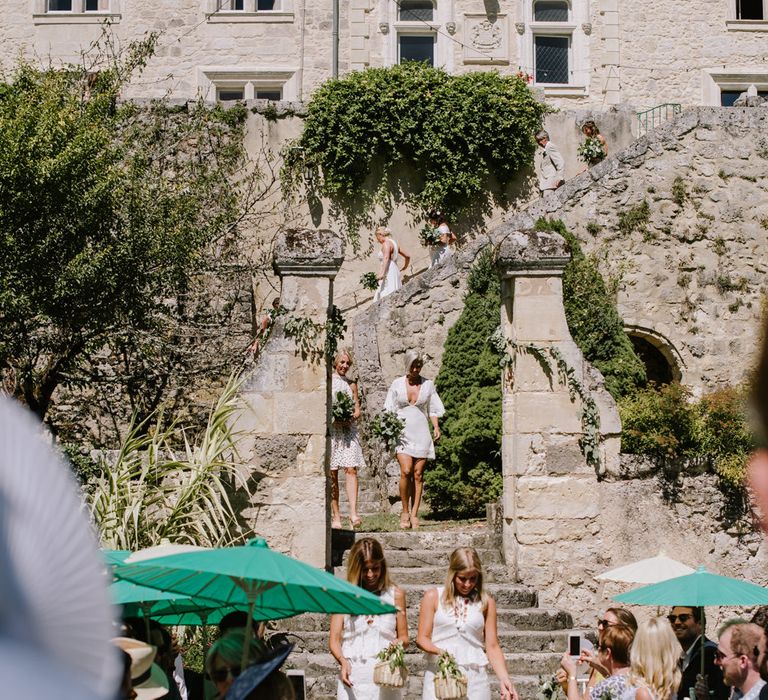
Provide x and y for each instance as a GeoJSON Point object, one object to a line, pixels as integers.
{"type": "Point", "coordinates": [593, 320]}
{"type": "Point", "coordinates": [467, 471]}
{"type": "Point", "coordinates": [660, 422]}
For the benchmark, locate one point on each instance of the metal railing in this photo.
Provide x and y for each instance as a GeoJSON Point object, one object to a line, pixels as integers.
{"type": "Point", "coordinates": [651, 118]}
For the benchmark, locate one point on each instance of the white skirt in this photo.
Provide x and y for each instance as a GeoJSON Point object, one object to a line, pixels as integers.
{"type": "Point", "coordinates": [363, 687]}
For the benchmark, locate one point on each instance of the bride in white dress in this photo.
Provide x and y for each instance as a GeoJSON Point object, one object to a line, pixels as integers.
{"type": "Point", "coordinates": [416, 403]}
{"type": "Point", "coordinates": [389, 273]}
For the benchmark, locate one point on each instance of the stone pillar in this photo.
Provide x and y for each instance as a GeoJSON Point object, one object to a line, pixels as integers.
{"type": "Point", "coordinates": [285, 426]}
{"type": "Point", "coordinates": [551, 529]}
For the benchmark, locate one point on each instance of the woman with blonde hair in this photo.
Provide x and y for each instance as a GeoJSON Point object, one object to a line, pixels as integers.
{"type": "Point", "coordinates": [389, 272]}
{"type": "Point", "coordinates": [416, 402]}
{"type": "Point", "coordinates": [460, 618]}
{"type": "Point", "coordinates": [654, 668]}
{"type": "Point", "coordinates": [355, 640]}
{"type": "Point", "coordinates": [346, 452]}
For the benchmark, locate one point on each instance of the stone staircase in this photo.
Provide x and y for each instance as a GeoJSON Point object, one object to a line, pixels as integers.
{"type": "Point", "coordinates": [533, 638]}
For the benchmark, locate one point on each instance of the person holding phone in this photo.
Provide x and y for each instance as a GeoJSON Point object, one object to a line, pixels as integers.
{"type": "Point", "coordinates": [612, 656]}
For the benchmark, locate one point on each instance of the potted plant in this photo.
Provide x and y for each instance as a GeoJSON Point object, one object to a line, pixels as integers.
{"type": "Point", "coordinates": [390, 671]}
{"type": "Point", "coordinates": [450, 682]}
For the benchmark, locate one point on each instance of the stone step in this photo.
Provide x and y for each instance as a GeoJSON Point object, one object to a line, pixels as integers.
{"type": "Point", "coordinates": [431, 557]}
{"type": "Point", "coordinates": [506, 595]}
{"type": "Point", "coordinates": [432, 575]}
{"type": "Point", "coordinates": [554, 641]}
{"type": "Point", "coordinates": [509, 619]}
{"type": "Point", "coordinates": [325, 689]}
{"type": "Point", "coordinates": [446, 540]}
{"type": "Point", "coordinates": [321, 672]}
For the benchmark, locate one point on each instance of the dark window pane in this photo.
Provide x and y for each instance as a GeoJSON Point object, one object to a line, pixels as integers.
{"type": "Point", "coordinates": [417, 48]}
{"type": "Point", "coordinates": [551, 59]}
{"type": "Point", "coordinates": [416, 10]}
{"type": "Point", "coordinates": [728, 97]}
{"type": "Point", "coordinates": [269, 94]}
{"type": "Point", "coordinates": [265, 5]}
{"type": "Point", "coordinates": [228, 94]}
{"type": "Point", "coordinates": [59, 5]}
{"type": "Point", "coordinates": [91, 5]}
{"type": "Point", "coordinates": [749, 9]}
{"type": "Point", "coordinates": [550, 11]}
{"type": "Point", "coordinates": [236, 5]}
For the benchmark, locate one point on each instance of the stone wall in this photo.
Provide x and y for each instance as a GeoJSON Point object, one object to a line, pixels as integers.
{"type": "Point", "coordinates": [618, 53]}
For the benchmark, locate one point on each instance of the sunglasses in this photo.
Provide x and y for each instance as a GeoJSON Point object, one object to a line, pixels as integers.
{"type": "Point", "coordinates": [221, 674]}
{"type": "Point", "coordinates": [605, 623]}
{"type": "Point", "coordinates": [683, 618]}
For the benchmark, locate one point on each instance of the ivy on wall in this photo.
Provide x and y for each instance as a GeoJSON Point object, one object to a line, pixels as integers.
{"type": "Point", "coordinates": [457, 135]}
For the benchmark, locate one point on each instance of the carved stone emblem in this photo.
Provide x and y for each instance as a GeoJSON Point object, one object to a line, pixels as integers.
{"type": "Point", "coordinates": [384, 27]}
{"type": "Point", "coordinates": [486, 36]}
{"type": "Point", "coordinates": [450, 27]}
{"type": "Point", "coordinates": [587, 28]}
{"type": "Point", "coordinates": [520, 26]}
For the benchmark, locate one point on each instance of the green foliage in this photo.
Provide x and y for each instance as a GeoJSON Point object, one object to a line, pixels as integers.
{"type": "Point", "coordinates": [467, 470]}
{"type": "Point", "coordinates": [679, 191]}
{"type": "Point", "coordinates": [83, 466]}
{"type": "Point", "coordinates": [106, 212]}
{"type": "Point", "coordinates": [634, 218]}
{"type": "Point", "coordinates": [343, 408]}
{"type": "Point", "coordinates": [456, 133]}
{"type": "Point", "coordinates": [369, 281]}
{"type": "Point", "coordinates": [154, 491]}
{"type": "Point", "coordinates": [316, 340]}
{"type": "Point", "coordinates": [593, 320]}
{"type": "Point", "coordinates": [394, 655]}
{"type": "Point", "coordinates": [659, 422]}
{"type": "Point", "coordinates": [388, 427]}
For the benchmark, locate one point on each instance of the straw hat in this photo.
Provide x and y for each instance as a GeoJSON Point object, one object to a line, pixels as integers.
{"type": "Point", "coordinates": [148, 679]}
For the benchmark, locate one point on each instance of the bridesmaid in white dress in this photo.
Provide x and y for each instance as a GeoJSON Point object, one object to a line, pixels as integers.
{"type": "Point", "coordinates": [460, 618]}
{"type": "Point", "coordinates": [416, 402]}
{"type": "Point", "coordinates": [346, 452]}
{"type": "Point", "coordinates": [389, 273]}
{"type": "Point", "coordinates": [356, 639]}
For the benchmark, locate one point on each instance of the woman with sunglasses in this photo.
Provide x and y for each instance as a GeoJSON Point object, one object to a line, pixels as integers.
{"type": "Point", "coordinates": [598, 671]}
{"type": "Point", "coordinates": [222, 663]}
{"type": "Point", "coordinates": [355, 640]}
{"type": "Point", "coordinates": [612, 656]}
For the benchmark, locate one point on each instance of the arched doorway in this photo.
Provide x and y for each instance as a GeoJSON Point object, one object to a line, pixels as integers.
{"type": "Point", "coordinates": [661, 360]}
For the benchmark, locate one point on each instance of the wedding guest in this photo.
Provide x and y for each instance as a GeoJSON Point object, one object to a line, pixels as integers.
{"type": "Point", "coordinates": [550, 164]}
{"type": "Point", "coordinates": [389, 272]}
{"type": "Point", "coordinates": [590, 130]}
{"type": "Point", "coordinates": [444, 247]}
{"type": "Point", "coordinates": [346, 452]}
{"type": "Point", "coordinates": [460, 618]}
{"type": "Point", "coordinates": [654, 672]}
{"type": "Point", "coordinates": [416, 402]}
{"type": "Point", "coordinates": [355, 640]}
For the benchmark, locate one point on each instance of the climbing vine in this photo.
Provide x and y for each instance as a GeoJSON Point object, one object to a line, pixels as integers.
{"type": "Point", "coordinates": [456, 134]}
{"type": "Point", "coordinates": [315, 340]}
{"type": "Point", "coordinates": [552, 360]}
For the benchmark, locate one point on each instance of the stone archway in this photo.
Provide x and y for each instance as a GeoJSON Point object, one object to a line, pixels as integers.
{"type": "Point", "coordinates": [663, 363]}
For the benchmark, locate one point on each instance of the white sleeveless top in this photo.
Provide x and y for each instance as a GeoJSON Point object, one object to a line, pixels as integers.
{"type": "Point", "coordinates": [364, 636]}
{"type": "Point", "coordinates": [460, 630]}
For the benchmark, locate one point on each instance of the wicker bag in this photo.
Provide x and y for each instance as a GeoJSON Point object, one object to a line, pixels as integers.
{"type": "Point", "coordinates": [385, 677]}
{"type": "Point", "coordinates": [450, 688]}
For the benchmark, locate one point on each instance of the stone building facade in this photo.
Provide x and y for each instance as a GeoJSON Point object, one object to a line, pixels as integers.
{"type": "Point", "coordinates": [581, 53]}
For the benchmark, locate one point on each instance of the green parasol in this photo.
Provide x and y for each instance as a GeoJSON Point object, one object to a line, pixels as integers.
{"type": "Point", "coordinates": [256, 576]}
{"type": "Point", "coordinates": [697, 590]}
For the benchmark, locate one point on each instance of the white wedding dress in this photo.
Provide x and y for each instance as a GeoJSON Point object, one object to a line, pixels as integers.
{"type": "Point", "coordinates": [391, 282]}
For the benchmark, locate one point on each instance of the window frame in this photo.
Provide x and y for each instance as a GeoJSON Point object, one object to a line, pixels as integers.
{"type": "Point", "coordinates": [282, 12]}
{"type": "Point", "coordinates": [569, 55]}
{"type": "Point", "coordinates": [215, 78]}
{"type": "Point", "coordinates": [107, 10]}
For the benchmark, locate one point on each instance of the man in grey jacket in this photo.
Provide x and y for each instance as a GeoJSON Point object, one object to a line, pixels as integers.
{"type": "Point", "coordinates": [551, 165]}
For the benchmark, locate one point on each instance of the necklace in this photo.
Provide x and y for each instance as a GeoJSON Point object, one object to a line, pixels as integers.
{"type": "Point", "coordinates": [460, 608]}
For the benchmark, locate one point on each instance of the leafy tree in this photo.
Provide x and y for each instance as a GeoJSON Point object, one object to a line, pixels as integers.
{"type": "Point", "coordinates": [458, 134]}
{"type": "Point", "coordinates": [108, 213]}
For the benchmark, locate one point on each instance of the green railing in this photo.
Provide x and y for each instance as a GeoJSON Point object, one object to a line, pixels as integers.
{"type": "Point", "coordinates": [651, 118]}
